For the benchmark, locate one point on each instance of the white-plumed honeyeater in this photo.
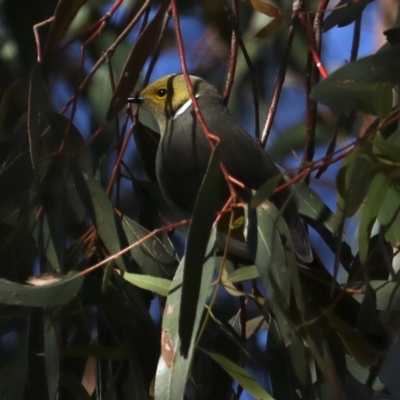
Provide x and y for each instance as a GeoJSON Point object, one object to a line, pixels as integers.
{"type": "Point", "coordinates": [184, 152]}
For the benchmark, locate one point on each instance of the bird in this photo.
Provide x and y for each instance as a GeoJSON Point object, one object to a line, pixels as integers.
{"type": "Point", "coordinates": [184, 153]}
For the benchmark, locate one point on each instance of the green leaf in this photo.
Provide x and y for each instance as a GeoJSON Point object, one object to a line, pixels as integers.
{"type": "Point", "coordinates": [362, 374]}
{"type": "Point", "coordinates": [173, 368]}
{"type": "Point", "coordinates": [199, 232]}
{"type": "Point", "coordinates": [265, 191]}
{"type": "Point", "coordinates": [383, 99]}
{"type": "Point", "coordinates": [353, 181]}
{"type": "Point", "coordinates": [373, 202]}
{"type": "Point", "coordinates": [152, 256]}
{"type": "Point", "coordinates": [143, 47]}
{"type": "Point", "coordinates": [355, 84]}
{"type": "Point", "coordinates": [65, 12]}
{"type": "Point", "coordinates": [389, 216]}
{"type": "Point", "coordinates": [102, 214]}
{"type": "Point", "coordinates": [49, 295]}
{"type": "Point", "coordinates": [344, 13]}
{"type": "Point", "coordinates": [46, 238]}
{"type": "Point", "coordinates": [51, 355]}
{"type": "Point", "coordinates": [241, 376]}
{"type": "Point", "coordinates": [264, 242]}
{"type": "Point", "coordinates": [386, 149]}
{"type": "Point", "coordinates": [243, 274]}
{"type": "Point", "coordinates": [159, 285]}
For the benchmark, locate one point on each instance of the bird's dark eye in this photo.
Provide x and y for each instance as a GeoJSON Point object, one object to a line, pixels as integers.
{"type": "Point", "coordinates": [161, 92]}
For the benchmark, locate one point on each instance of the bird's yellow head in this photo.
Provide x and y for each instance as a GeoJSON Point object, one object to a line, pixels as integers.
{"type": "Point", "coordinates": [168, 97]}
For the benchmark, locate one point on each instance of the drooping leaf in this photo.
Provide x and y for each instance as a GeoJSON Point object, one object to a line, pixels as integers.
{"type": "Point", "coordinates": [198, 238]}
{"type": "Point", "coordinates": [353, 86]}
{"type": "Point", "coordinates": [65, 12]}
{"type": "Point", "coordinates": [63, 290]}
{"type": "Point", "coordinates": [241, 376]}
{"type": "Point", "coordinates": [264, 242]}
{"type": "Point", "coordinates": [345, 12]}
{"type": "Point", "coordinates": [151, 255]}
{"type": "Point", "coordinates": [38, 102]}
{"type": "Point", "coordinates": [101, 212]}
{"type": "Point", "coordinates": [243, 274]}
{"type": "Point", "coordinates": [158, 285]}
{"type": "Point", "coordinates": [353, 181]}
{"type": "Point", "coordinates": [389, 216]}
{"type": "Point", "coordinates": [383, 99]}
{"type": "Point", "coordinates": [265, 191]}
{"type": "Point", "coordinates": [142, 48]}
{"type": "Point", "coordinates": [373, 202]}
{"type": "Point", "coordinates": [173, 368]}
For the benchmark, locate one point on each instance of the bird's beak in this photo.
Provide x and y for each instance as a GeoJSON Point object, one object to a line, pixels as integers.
{"type": "Point", "coordinates": [136, 99]}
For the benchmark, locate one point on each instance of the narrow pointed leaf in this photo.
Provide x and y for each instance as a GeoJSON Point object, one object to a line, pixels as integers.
{"type": "Point", "coordinates": [101, 213]}
{"type": "Point", "coordinates": [241, 376]}
{"type": "Point", "coordinates": [173, 368]}
{"type": "Point", "coordinates": [158, 285]}
{"type": "Point", "coordinates": [198, 237]}
{"type": "Point", "coordinates": [62, 291]}
{"type": "Point", "coordinates": [142, 48]}
{"type": "Point", "coordinates": [373, 202]}
{"type": "Point", "coordinates": [152, 256]}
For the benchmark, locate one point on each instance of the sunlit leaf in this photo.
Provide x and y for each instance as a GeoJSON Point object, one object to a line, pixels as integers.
{"type": "Point", "coordinates": [158, 285]}
{"type": "Point", "coordinates": [243, 274]}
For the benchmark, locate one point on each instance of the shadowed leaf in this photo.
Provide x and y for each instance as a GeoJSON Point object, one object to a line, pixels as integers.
{"type": "Point", "coordinates": [173, 368]}
{"type": "Point", "coordinates": [241, 376]}
{"type": "Point", "coordinates": [65, 12]}
{"type": "Point", "coordinates": [142, 48]}
{"type": "Point", "coordinates": [355, 84]}
{"type": "Point", "coordinates": [198, 237]}
{"type": "Point", "coordinates": [62, 291]}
